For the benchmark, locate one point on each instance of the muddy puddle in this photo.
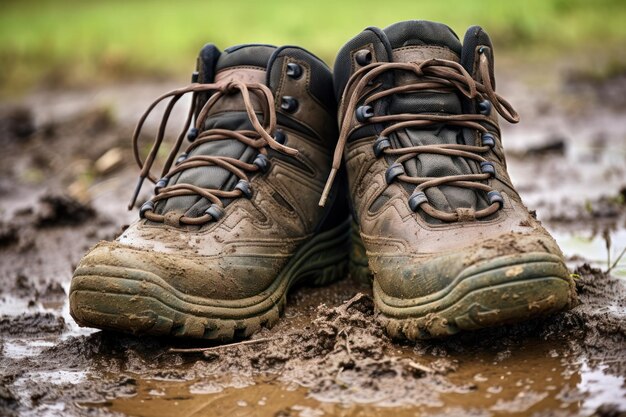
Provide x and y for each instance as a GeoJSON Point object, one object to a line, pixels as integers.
{"type": "Point", "coordinates": [334, 360]}
{"type": "Point", "coordinates": [533, 377]}
{"type": "Point", "coordinates": [327, 356]}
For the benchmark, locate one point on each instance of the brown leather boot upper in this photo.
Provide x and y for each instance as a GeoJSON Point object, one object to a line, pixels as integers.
{"type": "Point", "coordinates": [240, 252]}
{"type": "Point", "coordinates": [235, 201]}
{"type": "Point", "coordinates": [427, 173]}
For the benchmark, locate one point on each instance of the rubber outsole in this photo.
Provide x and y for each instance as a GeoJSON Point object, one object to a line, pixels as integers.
{"type": "Point", "coordinates": [139, 302]}
{"type": "Point", "coordinates": [505, 291]}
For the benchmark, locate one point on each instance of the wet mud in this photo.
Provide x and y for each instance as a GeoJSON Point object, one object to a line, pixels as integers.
{"type": "Point", "coordinates": [66, 174]}
{"type": "Point", "coordinates": [330, 359]}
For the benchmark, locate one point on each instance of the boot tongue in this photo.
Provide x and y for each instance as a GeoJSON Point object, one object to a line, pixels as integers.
{"type": "Point", "coordinates": [246, 63]}
{"type": "Point", "coordinates": [416, 41]}
{"type": "Point", "coordinates": [420, 40]}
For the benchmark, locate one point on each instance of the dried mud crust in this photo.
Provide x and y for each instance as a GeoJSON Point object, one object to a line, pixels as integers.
{"type": "Point", "coordinates": [123, 298]}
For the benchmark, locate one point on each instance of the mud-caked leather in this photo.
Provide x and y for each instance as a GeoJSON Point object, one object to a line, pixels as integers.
{"type": "Point", "coordinates": [434, 277]}
{"type": "Point", "coordinates": [228, 277]}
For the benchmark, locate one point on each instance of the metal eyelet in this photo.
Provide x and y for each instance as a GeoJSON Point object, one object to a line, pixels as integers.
{"type": "Point", "coordinates": [495, 197]}
{"type": "Point", "coordinates": [147, 206]}
{"type": "Point", "coordinates": [363, 113]}
{"type": "Point", "coordinates": [280, 137]}
{"type": "Point", "coordinates": [363, 57]}
{"type": "Point", "coordinates": [160, 184]}
{"type": "Point", "coordinates": [215, 211]}
{"type": "Point", "coordinates": [484, 107]}
{"type": "Point", "coordinates": [380, 144]}
{"type": "Point", "coordinates": [487, 167]}
{"type": "Point", "coordinates": [289, 104]}
{"type": "Point", "coordinates": [262, 162]}
{"type": "Point", "coordinates": [244, 187]}
{"type": "Point", "coordinates": [417, 199]}
{"type": "Point", "coordinates": [294, 70]}
{"type": "Point", "coordinates": [487, 139]}
{"type": "Point", "coordinates": [192, 134]}
{"type": "Point", "coordinates": [183, 156]}
{"type": "Point", "coordinates": [393, 171]}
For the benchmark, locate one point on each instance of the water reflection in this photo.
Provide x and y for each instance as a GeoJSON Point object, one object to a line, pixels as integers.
{"type": "Point", "coordinates": [593, 249]}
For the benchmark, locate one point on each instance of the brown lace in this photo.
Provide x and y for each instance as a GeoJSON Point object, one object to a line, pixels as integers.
{"type": "Point", "coordinates": [442, 75]}
{"type": "Point", "coordinates": [259, 138]}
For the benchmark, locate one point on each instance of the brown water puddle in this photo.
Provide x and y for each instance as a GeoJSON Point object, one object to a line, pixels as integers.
{"type": "Point", "coordinates": [536, 377]}
{"type": "Point", "coordinates": [569, 364]}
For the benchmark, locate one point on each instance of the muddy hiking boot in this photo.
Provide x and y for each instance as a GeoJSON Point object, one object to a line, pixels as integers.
{"type": "Point", "coordinates": [234, 220]}
{"type": "Point", "coordinates": [450, 244]}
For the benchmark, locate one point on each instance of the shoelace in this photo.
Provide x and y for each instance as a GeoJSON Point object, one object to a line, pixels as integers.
{"type": "Point", "coordinates": [259, 138]}
{"type": "Point", "coordinates": [433, 74]}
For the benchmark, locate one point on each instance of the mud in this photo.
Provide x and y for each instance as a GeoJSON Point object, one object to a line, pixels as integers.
{"type": "Point", "coordinates": [332, 359]}
{"type": "Point", "coordinates": [66, 175]}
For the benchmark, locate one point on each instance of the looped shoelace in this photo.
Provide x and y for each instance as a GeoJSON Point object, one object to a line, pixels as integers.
{"type": "Point", "coordinates": [433, 74]}
{"type": "Point", "coordinates": [259, 138]}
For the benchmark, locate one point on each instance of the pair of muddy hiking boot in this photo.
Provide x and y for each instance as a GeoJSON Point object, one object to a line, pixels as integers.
{"type": "Point", "coordinates": [415, 165]}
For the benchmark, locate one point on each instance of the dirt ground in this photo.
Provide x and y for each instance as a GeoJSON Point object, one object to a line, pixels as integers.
{"type": "Point", "coordinates": [65, 178]}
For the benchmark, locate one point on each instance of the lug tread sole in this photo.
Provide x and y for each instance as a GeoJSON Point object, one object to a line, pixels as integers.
{"type": "Point", "coordinates": [320, 263]}
{"type": "Point", "coordinates": [496, 305]}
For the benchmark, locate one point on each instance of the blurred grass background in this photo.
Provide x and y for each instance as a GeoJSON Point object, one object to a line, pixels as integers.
{"type": "Point", "coordinates": [73, 43]}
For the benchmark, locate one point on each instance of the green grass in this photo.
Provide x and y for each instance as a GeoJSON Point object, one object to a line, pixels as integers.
{"type": "Point", "coordinates": [75, 42]}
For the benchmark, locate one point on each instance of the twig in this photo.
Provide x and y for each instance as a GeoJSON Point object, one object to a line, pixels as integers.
{"type": "Point", "coordinates": [197, 350]}
{"type": "Point", "coordinates": [619, 258]}
{"type": "Point", "coordinates": [607, 242]}
{"type": "Point", "coordinates": [339, 381]}
{"type": "Point", "coordinates": [421, 367]}
{"type": "Point", "coordinates": [344, 331]}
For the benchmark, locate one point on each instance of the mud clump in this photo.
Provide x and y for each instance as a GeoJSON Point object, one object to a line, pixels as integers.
{"type": "Point", "coordinates": [8, 401]}
{"type": "Point", "coordinates": [340, 337]}
{"type": "Point", "coordinates": [8, 234]}
{"type": "Point", "coordinates": [23, 286]}
{"type": "Point", "coordinates": [32, 324]}
{"type": "Point", "coordinates": [603, 212]}
{"type": "Point", "coordinates": [554, 146]}
{"type": "Point", "coordinates": [58, 210]}
{"type": "Point", "coordinates": [17, 123]}
{"type": "Point", "coordinates": [357, 365]}
{"type": "Point", "coordinates": [609, 410]}
{"type": "Point", "coordinates": [342, 356]}
{"type": "Point", "coordinates": [602, 318]}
